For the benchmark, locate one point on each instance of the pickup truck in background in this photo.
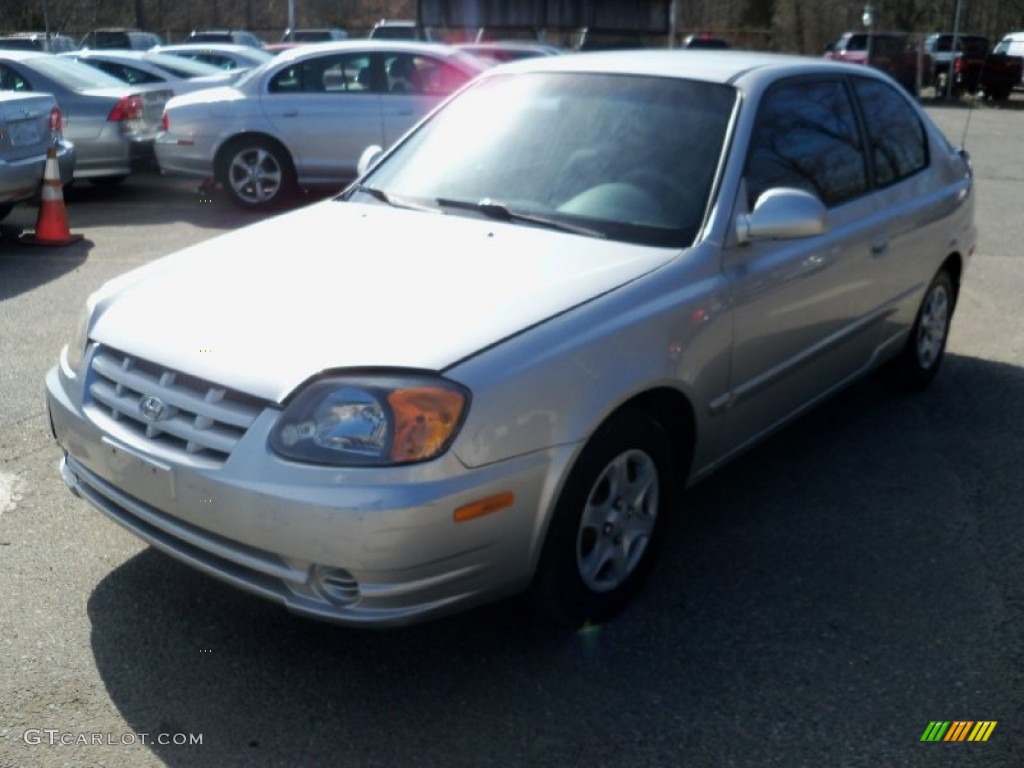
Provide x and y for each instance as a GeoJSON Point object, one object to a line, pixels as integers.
{"type": "Point", "coordinates": [891, 52]}
{"type": "Point", "coordinates": [973, 66]}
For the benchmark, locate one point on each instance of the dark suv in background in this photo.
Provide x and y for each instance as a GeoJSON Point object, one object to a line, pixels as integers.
{"type": "Point", "coordinates": [120, 38]}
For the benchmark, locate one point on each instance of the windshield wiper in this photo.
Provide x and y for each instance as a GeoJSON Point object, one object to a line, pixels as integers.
{"type": "Point", "coordinates": [496, 210]}
{"type": "Point", "coordinates": [395, 202]}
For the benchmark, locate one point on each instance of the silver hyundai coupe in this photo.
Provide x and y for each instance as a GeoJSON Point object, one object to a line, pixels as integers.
{"type": "Point", "coordinates": [494, 364]}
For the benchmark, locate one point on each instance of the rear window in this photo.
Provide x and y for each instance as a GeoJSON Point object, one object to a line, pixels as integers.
{"type": "Point", "coordinates": [180, 66]}
{"type": "Point", "coordinates": [73, 74]}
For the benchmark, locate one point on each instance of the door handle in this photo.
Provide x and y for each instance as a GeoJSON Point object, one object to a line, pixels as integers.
{"type": "Point", "coordinates": [290, 113]}
{"type": "Point", "coordinates": [879, 247]}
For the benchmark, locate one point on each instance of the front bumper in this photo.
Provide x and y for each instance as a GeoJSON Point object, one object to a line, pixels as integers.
{"type": "Point", "coordinates": [181, 156]}
{"type": "Point", "coordinates": [356, 547]}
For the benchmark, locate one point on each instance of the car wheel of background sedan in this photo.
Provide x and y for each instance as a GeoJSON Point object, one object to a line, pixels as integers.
{"type": "Point", "coordinates": [257, 173]}
{"type": "Point", "coordinates": [608, 523]}
{"type": "Point", "coordinates": [918, 362]}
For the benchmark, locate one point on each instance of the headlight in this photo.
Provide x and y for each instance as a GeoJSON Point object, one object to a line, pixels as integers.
{"type": "Point", "coordinates": [79, 339]}
{"type": "Point", "coordinates": [371, 420]}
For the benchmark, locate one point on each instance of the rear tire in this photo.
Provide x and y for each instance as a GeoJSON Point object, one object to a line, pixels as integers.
{"type": "Point", "coordinates": [257, 173]}
{"type": "Point", "coordinates": [919, 360]}
{"type": "Point", "coordinates": [608, 524]}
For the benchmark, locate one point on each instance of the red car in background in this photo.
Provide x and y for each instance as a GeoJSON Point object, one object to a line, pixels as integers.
{"type": "Point", "coordinates": [891, 52]}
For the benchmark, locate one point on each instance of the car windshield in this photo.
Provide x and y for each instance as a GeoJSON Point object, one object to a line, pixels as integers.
{"type": "Point", "coordinates": [623, 157]}
{"type": "Point", "coordinates": [73, 74]}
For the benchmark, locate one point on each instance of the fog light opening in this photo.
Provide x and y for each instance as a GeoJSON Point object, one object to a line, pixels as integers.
{"type": "Point", "coordinates": [337, 585]}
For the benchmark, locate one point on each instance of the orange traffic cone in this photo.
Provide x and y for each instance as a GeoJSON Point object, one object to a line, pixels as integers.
{"type": "Point", "coordinates": [52, 223]}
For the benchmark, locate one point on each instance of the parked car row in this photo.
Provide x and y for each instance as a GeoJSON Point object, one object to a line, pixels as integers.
{"type": "Point", "coordinates": [973, 67]}
{"type": "Point", "coordinates": [111, 123]}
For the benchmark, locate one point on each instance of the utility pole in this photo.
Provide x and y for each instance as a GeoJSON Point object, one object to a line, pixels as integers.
{"type": "Point", "coordinates": [954, 44]}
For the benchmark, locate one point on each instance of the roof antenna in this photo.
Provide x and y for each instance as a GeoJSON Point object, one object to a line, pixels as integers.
{"type": "Point", "coordinates": [967, 123]}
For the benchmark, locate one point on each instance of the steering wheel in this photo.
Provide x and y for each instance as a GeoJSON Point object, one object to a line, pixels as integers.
{"type": "Point", "coordinates": [679, 203]}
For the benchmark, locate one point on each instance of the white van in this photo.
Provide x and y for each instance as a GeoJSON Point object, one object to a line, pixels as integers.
{"type": "Point", "coordinates": [1012, 44]}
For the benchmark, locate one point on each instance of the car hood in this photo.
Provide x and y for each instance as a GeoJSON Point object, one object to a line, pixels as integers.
{"type": "Point", "coordinates": [340, 285]}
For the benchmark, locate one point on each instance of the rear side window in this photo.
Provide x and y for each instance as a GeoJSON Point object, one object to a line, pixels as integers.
{"type": "Point", "coordinates": [896, 137]}
{"type": "Point", "coordinates": [806, 136]}
{"type": "Point", "coordinates": [124, 72]}
{"type": "Point", "coordinates": [328, 74]}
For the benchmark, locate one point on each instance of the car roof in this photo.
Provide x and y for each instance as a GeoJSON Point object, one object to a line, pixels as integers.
{"type": "Point", "coordinates": [116, 53]}
{"type": "Point", "coordinates": [211, 46]}
{"type": "Point", "coordinates": [716, 66]}
{"type": "Point", "coordinates": [20, 54]}
{"type": "Point", "coordinates": [391, 46]}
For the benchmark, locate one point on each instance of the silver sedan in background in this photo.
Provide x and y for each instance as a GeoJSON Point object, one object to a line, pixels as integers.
{"type": "Point", "coordinates": [181, 75]}
{"type": "Point", "coordinates": [111, 124]}
{"type": "Point", "coordinates": [495, 363]}
{"type": "Point", "coordinates": [304, 118]}
{"type": "Point", "coordinates": [30, 123]}
{"type": "Point", "coordinates": [220, 55]}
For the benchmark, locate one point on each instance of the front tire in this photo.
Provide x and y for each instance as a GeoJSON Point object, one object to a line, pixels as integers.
{"type": "Point", "coordinates": [257, 173]}
{"type": "Point", "coordinates": [608, 524]}
{"type": "Point", "coordinates": [919, 360]}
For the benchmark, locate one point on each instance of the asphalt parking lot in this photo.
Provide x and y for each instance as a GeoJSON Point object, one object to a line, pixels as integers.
{"type": "Point", "coordinates": [828, 596]}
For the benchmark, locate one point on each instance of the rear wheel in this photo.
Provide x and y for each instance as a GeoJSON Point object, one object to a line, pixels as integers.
{"type": "Point", "coordinates": [608, 523]}
{"type": "Point", "coordinates": [257, 173]}
{"type": "Point", "coordinates": [919, 360]}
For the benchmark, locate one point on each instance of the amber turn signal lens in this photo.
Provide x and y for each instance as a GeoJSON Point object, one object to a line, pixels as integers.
{"type": "Point", "coordinates": [425, 419]}
{"type": "Point", "coordinates": [481, 507]}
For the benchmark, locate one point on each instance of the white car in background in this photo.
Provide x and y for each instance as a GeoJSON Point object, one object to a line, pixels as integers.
{"type": "Point", "coordinates": [180, 74]}
{"type": "Point", "coordinates": [304, 119]}
{"type": "Point", "coordinates": [220, 55]}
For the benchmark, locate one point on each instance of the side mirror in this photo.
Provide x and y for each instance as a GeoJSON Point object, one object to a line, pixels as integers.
{"type": "Point", "coordinates": [369, 158]}
{"type": "Point", "coordinates": [782, 214]}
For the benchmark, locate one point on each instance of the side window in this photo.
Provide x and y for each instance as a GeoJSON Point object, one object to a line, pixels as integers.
{"type": "Point", "coordinates": [806, 136]}
{"type": "Point", "coordinates": [127, 74]}
{"type": "Point", "coordinates": [438, 78]}
{"type": "Point", "coordinates": [403, 75]}
{"type": "Point", "coordinates": [897, 140]}
{"type": "Point", "coordinates": [215, 59]}
{"type": "Point", "coordinates": [12, 81]}
{"type": "Point", "coordinates": [422, 75]}
{"type": "Point", "coordinates": [325, 74]}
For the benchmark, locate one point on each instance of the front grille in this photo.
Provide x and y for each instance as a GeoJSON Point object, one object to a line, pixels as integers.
{"type": "Point", "coordinates": [197, 417]}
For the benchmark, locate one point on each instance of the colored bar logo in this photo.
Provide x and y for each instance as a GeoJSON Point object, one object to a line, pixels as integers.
{"type": "Point", "coordinates": [959, 730]}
